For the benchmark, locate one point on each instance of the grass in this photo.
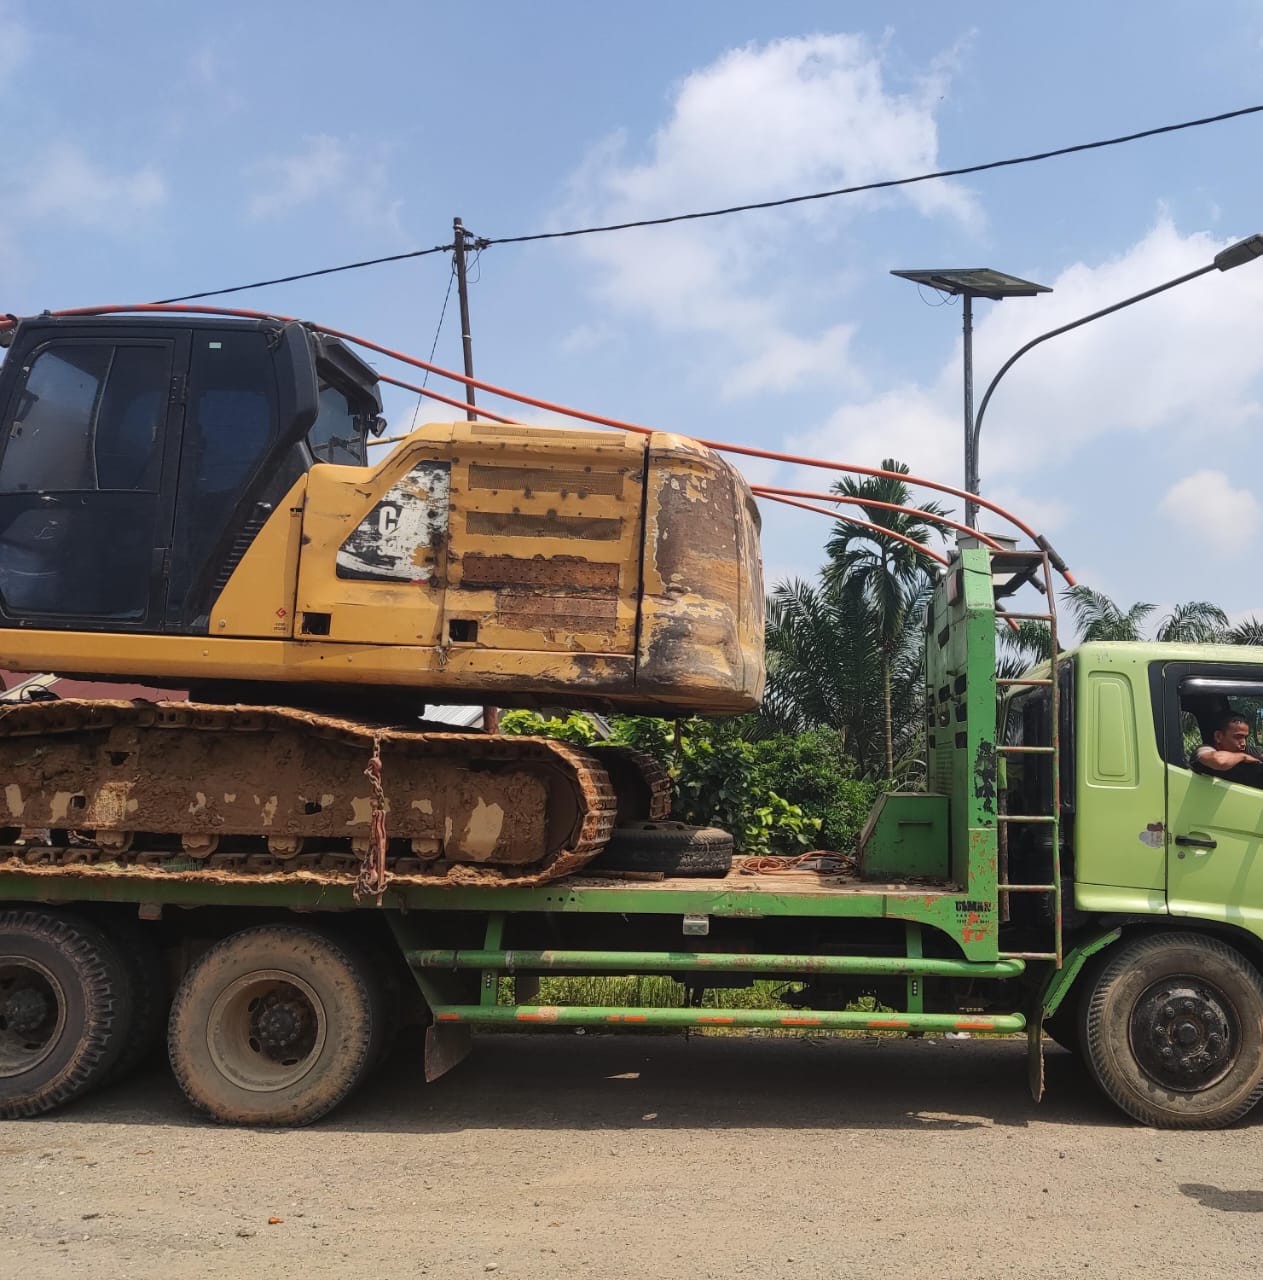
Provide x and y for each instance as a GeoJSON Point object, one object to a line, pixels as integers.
{"type": "Point", "coordinates": [655, 991]}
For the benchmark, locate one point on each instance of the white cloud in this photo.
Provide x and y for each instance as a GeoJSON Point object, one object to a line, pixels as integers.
{"type": "Point", "coordinates": [327, 171]}
{"type": "Point", "coordinates": [320, 168]}
{"type": "Point", "coordinates": [908, 423]}
{"type": "Point", "coordinates": [786, 361]}
{"type": "Point", "coordinates": [1206, 506]}
{"type": "Point", "coordinates": [65, 183]}
{"type": "Point", "coordinates": [585, 338]}
{"type": "Point", "coordinates": [801, 114]}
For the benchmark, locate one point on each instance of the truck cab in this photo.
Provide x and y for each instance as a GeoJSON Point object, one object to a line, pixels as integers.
{"type": "Point", "coordinates": [1143, 835]}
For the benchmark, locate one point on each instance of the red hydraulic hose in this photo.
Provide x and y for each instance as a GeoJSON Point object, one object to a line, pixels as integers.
{"type": "Point", "coordinates": [863, 524]}
{"type": "Point", "coordinates": [770, 491]}
{"type": "Point", "coordinates": [550, 406]}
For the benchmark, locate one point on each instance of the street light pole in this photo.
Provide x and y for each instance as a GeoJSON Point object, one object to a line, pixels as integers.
{"type": "Point", "coordinates": [970, 283]}
{"type": "Point", "coordinates": [971, 439]}
{"type": "Point", "coordinates": [1235, 255]}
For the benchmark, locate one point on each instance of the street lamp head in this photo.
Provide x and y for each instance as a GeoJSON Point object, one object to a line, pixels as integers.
{"type": "Point", "coordinates": [976, 282]}
{"type": "Point", "coordinates": [1237, 255]}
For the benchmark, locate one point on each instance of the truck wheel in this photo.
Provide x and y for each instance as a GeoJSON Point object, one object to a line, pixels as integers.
{"type": "Point", "coordinates": [151, 994]}
{"type": "Point", "coordinates": [1173, 1031]}
{"type": "Point", "coordinates": [273, 1026]}
{"type": "Point", "coordinates": [64, 1009]}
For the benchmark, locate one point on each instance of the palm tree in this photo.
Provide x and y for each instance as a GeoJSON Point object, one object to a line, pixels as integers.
{"type": "Point", "coordinates": [882, 573]}
{"type": "Point", "coordinates": [825, 670]}
{"type": "Point", "coordinates": [1249, 631]}
{"type": "Point", "coordinates": [1197, 622]}
{"type": "Point", "coordinates": [1099, 618]}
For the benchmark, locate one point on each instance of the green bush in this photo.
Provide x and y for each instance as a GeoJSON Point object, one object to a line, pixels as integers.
{"type": "Point", "coordinates": [812, 771]}
{"type": "Point", "coordinates": [575, 728]}
{"type": "Point", "coordinates": [784, 794]}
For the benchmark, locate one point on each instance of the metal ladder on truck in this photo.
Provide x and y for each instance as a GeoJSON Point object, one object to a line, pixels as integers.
{"type": "Point", "coordinates": [1014, 570]}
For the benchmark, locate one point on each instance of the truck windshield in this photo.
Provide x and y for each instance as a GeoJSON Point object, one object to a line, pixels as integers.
{"type": "Point", "coordinates": [338, 434]}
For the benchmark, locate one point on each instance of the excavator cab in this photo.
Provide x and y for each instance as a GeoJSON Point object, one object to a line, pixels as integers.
{"type": "Point", "coordinates": [138, 457]}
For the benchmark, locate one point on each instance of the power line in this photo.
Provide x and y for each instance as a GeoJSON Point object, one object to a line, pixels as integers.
{"type": "Point", "coordinates": [307, 275]}
{"type": "Point", "coordinates": [484, 242]}
{"type": "Point", "coordinates": [881, 186]}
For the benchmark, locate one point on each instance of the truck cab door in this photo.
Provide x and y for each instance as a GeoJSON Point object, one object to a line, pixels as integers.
{"type": "Point", "coordinates": [1214, 827]}
{"type": "Point", "coordinates": [88, 443]}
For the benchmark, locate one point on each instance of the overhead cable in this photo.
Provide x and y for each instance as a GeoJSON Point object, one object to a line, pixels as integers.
{"type": "Point", "coordinates": [483, 242]}
{"type": "Point", "coordinates": [307, 275]}
{"type": "Point", "coordinates": [878, 186]}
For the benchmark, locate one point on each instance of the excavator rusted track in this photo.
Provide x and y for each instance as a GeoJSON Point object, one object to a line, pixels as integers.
{"type": "Point", "coordinates": [243, 790]}
{"type": "Point", "coordinates": [643, 786]}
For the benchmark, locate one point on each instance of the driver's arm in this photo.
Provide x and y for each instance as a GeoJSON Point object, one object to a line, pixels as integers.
{"type": "Point", "coordinates": [1222, 761]}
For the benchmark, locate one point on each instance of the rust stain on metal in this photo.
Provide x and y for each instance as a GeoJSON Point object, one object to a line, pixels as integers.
{"type": "Point", "coordinates": [577, 480]}
{"type": "Point", "coordinates": [572, 572]}
{"type": "Point", "coordinates": [517, 524]}
{"type": "Point", "coordinates": [556, 613]}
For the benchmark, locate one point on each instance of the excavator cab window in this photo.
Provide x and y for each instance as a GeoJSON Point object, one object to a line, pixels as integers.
{"type": "Point", "coordinates": [80, 480]}
{"type": "Point", "coordinates": [338, 434]}
{"type": "Point", "coordinates": [350, 405]}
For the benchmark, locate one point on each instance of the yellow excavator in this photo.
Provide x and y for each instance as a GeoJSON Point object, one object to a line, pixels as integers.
{"type": "Point", "coordinates": [188, 501]}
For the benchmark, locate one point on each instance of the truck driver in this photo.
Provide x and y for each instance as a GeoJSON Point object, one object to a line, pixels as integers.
{"type": "Point", "coordinates": [1227, 755]}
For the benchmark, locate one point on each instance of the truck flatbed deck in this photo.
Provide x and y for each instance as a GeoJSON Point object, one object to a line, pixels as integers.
{"type": "Point", "coordinates": [796, 892]}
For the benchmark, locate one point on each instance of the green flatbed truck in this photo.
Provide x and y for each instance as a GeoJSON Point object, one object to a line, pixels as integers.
{"type": "Point", "coordinates": [1063, 869]}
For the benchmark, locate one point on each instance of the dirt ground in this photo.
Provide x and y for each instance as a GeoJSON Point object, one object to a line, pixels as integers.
{"type": "Point", "coordinates": [598, 1157]}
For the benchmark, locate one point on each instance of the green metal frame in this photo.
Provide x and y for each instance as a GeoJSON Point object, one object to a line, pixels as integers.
{"type": "Point", "coordinates": [429, 966]}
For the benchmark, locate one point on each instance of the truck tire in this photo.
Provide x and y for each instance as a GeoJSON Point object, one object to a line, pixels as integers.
{"type": "Point", "coordinates": [64, 1009]}
{"type": "Point", "coordinates": [671, 847]}
{"type": "Point", "coordinates": [1172, 1030]}
{"type": "Point", "coordinates": [150, 990]}
{"type": "Point", "coordinates": [274, 1026]}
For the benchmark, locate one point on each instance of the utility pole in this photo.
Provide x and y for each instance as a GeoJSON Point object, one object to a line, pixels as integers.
{"type": "Point", "coordinates": [490, 714]}
{"type": "Point", "coordinates": [459, 236]}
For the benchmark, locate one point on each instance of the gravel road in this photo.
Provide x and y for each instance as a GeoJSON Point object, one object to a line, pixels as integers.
{"type": "Point", "coordinates": [605, 1157]}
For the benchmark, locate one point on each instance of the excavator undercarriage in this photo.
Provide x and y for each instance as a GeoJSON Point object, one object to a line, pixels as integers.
{"type": "Point", "coordinates": [251, 790]}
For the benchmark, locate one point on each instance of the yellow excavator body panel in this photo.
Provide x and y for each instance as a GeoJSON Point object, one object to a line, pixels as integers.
{"type": "Point", "coordinates": [517, 565]}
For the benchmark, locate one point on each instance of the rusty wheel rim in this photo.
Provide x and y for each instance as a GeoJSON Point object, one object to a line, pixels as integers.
{"type": "Point", "coordinates": [266, 1030]}
{"type": "Point", "coordinates": [32, 1014]}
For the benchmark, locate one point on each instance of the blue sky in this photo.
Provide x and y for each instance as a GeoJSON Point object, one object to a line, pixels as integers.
{"type": "Point", "coordinates": [154, 149]}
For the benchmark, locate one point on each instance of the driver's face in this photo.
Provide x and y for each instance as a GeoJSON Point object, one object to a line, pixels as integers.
{"type": "Point", "coordinates": [1233, 738]}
